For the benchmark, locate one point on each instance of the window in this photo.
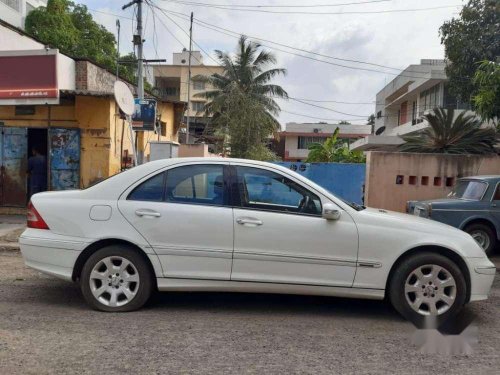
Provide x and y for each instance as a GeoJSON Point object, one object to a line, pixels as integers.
{"type": "Point", "coordinates": [496, 197]}
{"type": "Point", "coordinates": [196, 184]}
{"type": "Point", "coordinates": [151, 190]}
{"type": "Point", "coordinates": [198, 85]}
{"type": "Point", "coordinates": [400, 179]}
{"type": "Point", "coordinates": [14, 4]}
{"type": "Point", "coordinates": [304, 142]}
{"type": "Point", "coordinates": [198, 106]}
{"type": "Point", "coordinates": [467, 189]}
{"type": "Point", "coordinates": [265, 190]}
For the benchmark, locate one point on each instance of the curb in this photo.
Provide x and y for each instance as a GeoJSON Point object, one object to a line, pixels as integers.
{"type": "Point", "coordinates": [9, 247]}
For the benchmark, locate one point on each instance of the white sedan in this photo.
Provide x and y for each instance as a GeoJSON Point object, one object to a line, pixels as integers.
{"type": "Point", "coordinates": [246, 226]}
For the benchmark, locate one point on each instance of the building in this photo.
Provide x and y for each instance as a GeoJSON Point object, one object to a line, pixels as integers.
{"type": "Point", "coordinates": [171, 83]}
{"type": "Point", "coordinates": [401, 104]}
{"type": "Point", "coordinates": [297, 137]}
{"type": "Point", "coordinates": [64, 108]}
{"type": "Point", "coordinates": [14, 12]}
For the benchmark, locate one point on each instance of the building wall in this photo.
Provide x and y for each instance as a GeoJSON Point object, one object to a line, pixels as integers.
{"type": "Point", "coordinates": [16, 15]}
{"type": "Point", "coordinates": [423, 176]}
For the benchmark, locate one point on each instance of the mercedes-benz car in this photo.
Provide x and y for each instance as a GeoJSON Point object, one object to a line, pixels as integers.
{"type": "Point", "coordinates": [473, 205]}
{"type": "Point", "coordinates": [203, 224]}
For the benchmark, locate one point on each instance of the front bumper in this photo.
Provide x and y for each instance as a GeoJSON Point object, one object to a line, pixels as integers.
{"type": "Point", "coordinates": [482, 274]}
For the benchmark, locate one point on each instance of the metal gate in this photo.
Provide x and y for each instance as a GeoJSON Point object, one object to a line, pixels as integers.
{"type": "Point", "coordinates": [13, 166]}
{"type": "Point", "coordinates": [64, 158]}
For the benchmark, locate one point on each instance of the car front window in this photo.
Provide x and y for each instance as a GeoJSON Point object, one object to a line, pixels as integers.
{"type": "Point", "coordinates": [466, 189]}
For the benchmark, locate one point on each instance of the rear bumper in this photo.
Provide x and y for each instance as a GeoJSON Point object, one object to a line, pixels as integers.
{"type": "Point", "coordinates": [482, 273]}
{"type": "Point", "coordinates": [50, 253]}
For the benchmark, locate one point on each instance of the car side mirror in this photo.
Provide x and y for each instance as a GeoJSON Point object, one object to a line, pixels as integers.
{"type": "Point", "coordinates": [331, 212]}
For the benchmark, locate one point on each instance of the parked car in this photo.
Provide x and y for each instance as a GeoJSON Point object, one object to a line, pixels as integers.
{"type": "Point", "coordinates": [473, 206]}
{"type": "Point", "coordinates": [205, 224]}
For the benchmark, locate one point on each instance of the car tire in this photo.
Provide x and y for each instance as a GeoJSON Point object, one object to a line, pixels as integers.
{"type": "Point", "coordinates": [485, 233]}
{"type": "Point", "coordinates": [116, 279]}
{"type": "Point", "coordinates": [440, 291]}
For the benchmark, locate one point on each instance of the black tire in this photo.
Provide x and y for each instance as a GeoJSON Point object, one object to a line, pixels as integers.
{"type": "Point", "coordinates": [145, 284]}
{"type": "Point", "coordinates": [400, 275]}
{"type": "Point", "coordinates": [479, 227]}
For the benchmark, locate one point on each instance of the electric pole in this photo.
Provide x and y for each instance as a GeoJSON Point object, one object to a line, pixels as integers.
{"type": "Point", "coordinates": [189, 78]}
{"type": "Point", "coordinates": [138, 41]}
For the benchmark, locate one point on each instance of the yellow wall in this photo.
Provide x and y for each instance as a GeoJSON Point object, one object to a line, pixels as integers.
{"type": "Point", "coordinates": [101, 131]}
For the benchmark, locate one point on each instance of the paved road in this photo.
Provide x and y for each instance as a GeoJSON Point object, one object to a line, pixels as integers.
{"type": "Point", "coordinates": [45, 327]}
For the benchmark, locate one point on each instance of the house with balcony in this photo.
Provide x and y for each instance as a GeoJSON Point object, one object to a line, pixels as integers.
{"type": "Point", "coordinates": [298, 136]}
{"type": "Point", "coordinates": [171, 83]}
{"type": "Point", "coordinates": [14, 12]}
{"type": "Point", "coordinates": [401, 104]}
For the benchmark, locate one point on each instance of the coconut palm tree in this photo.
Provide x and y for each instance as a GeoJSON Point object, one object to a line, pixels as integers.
{"type": "Point", "coordinates": [241, 103]}
{"type": "Point", "coordinates": [446, 135]}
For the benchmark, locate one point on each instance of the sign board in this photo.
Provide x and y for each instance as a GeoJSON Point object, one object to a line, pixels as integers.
{"type": "Point", "coordinates": [144, 116]}
{"type": "Point", "coordinates": [28, 77]}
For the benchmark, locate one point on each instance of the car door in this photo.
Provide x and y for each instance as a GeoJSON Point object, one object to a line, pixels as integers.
{"type": "Point", "coordinates": [184, 214]}
{"type": "Point", "coordinates": [280, 235]}
{"type": "Point", "coordinates": [495, 206]}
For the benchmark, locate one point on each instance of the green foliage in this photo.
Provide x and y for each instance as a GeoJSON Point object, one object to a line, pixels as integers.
{"type": "Point", "coordinates": [446, 135]}
{"type": "Point", "coordinates": [241, 102]}
{"type": "Point", "coordinates": [469, 39]}
{"type": "Point", "coordinates": [344, 122]}
{"type": "Point", "coordinates": [370, 120]}
{"type": "Point", "coordinates": [333, 150]}
{"type": "Point", "coordinates": [487, 99]}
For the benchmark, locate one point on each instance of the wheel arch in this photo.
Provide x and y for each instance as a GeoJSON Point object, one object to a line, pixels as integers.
{"type": "Point", "coordinates": [92, 248]}
{"type": "Point", "coordinates": [444, 251]}
{"type": "Point", "coordinates": [481, 220]}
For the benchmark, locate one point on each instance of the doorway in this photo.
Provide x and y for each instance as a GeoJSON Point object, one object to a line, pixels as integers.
{"type": "Point", "coordinates": [37, 180]}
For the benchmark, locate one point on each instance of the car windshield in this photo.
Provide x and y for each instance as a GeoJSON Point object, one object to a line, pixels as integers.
{"type": "Point", "coordinates": [467, 189]}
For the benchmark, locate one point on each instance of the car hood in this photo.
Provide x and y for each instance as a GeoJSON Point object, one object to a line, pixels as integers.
{"type": "Point", "coordinates": [397, 220]}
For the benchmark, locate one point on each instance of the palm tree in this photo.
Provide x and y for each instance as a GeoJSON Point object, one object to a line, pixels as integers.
{"type": "Point", "coordinates": [333, 150]}
{"type": "Point", "coordinates": [241, 103]}
{"type": "Point", "coordinates": [446, 135]}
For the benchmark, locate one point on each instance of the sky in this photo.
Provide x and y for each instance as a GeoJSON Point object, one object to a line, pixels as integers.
{"type": "Point", "coordinates": [390, 39]}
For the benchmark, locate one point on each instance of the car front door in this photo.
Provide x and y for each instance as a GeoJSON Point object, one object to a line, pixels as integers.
{"type": "Point", "coordinates": [495, 207]}
{"type": "Point", "coordinates": [280, 235]}
{"type": "Point", "coordinates": [184, 214]}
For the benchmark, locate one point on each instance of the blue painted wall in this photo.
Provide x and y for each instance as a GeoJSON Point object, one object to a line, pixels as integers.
{"type": "Point", "coordinates": [342, 179]}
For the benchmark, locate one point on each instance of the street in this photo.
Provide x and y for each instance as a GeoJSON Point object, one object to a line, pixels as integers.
{"type": "Point", "coordinates": [46, 327]}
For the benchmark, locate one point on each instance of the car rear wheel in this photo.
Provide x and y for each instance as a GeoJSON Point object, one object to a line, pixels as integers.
{"type": "Point", "coordinates": [483, 235]}
{"type": "Point", "coordinates": [116, 279]}
{"type": "Point", "coordinates": [427, 285]}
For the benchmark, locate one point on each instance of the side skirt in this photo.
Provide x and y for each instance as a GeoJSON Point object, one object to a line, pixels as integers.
{"type": "Point", "coordinates": [192, 285]}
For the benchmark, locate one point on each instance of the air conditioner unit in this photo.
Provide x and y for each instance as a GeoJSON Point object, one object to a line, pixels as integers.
{"type": "Point", "coordinates": [315, 130]}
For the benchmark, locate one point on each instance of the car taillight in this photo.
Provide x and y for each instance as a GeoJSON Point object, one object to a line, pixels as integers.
{"type": "Point", "coordinates": [34, 219]}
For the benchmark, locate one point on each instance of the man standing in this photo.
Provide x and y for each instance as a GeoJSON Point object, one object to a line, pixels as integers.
{"type": "Point", "coordinates": [37, 172]}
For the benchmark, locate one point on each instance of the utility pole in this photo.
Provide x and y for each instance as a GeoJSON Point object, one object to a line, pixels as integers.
{"type": "Point", "coordinates": [189, 78]}
{"type": "Point", "coordinates": [138, 42]}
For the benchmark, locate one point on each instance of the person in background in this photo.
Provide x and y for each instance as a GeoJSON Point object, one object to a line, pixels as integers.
{"type": "Point", "coordinates": [37, 172]}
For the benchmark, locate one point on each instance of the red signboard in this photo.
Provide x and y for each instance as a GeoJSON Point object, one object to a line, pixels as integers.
{"type": "Point", "coordinates": [28, 77]}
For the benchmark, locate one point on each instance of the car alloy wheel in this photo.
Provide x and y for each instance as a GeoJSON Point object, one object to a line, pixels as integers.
{"type": "Point", "coordinates": [114, 281]}
{"type": "Point", "coordinates": [430, 290]}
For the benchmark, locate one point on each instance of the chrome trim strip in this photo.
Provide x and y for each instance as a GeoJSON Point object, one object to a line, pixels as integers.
{"type": "Point", "coordinates": [194, 252]}
{"type": "Point", "coordinates": [456, 210]}
{"type": "Point", "coordinates": [369, 264]}
{"type": "Point", "coordinates": [280, 257]}
{"type": "Point", "coordinates": [486, 270]}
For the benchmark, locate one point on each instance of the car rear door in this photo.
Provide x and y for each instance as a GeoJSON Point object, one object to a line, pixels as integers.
{"type": "Point", "coordinates": [281, 236]}
{"type": "Point", "coordinates": [184, 214]}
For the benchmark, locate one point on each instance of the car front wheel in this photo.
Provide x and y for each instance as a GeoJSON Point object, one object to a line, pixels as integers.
{"type": "Point", "coordinates": [427, 285]}
{"type": "Point", "coordinates": [116, 279]}
{"type": "Point", "coordinates": [484, 236]}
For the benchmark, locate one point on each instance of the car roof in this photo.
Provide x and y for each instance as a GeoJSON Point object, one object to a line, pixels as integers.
{"type": "Point", "coordinates": [484, 177]}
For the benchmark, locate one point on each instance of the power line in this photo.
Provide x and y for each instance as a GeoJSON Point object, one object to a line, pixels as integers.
{"type": "Point", "coordinates": [275, 6]}
{"type": "Point", "coordinates": [229, 7]}
{"type": "Point", "coordinates": [237, 35]}
{"type": "Point", "coordinates": [328, 109]}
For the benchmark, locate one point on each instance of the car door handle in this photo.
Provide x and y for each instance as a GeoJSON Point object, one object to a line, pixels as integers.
{"type": "Point", "coordinates": [145, 212]}
{"type": "Point", "coordinates": [250, 221]}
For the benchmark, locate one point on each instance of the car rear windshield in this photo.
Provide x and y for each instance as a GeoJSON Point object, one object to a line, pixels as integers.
{"type": "Point", "coordinates": [466, 189]}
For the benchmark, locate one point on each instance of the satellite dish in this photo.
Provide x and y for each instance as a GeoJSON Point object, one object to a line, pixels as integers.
{"type": "Point", "coordinates": [124, 98]}
{"type": "Point", "coordinates": [380, 130]}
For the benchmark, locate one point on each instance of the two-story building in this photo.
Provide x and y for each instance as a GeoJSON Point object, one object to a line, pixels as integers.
{"type": "Point", "coordinates": [401, 104]}
{"type": "Point", "coordinates": [298, 136]}
{"type": "Point", "coordinates": [171, 82]}
{"type": "Point", "coordinates": [15, 11]}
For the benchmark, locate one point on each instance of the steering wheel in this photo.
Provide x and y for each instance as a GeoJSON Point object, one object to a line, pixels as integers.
{"type": "Point", "coordinates": [304, 203]}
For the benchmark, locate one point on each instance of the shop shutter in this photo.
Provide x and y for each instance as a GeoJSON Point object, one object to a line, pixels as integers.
{"type": "Point", "coordinates": [64, 158]}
